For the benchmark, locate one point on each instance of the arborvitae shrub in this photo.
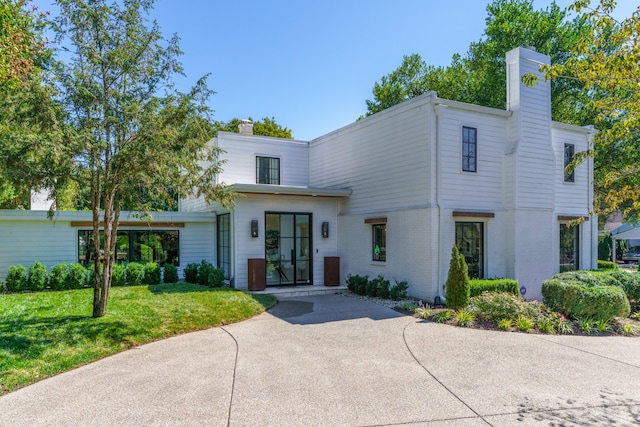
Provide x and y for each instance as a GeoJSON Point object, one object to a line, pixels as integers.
{"type": "Point", "coordinates": [152, 273]}
{"type": "Point", "coordinates": [191, 273]}
{"type": "Point", "coordinates": [216, 277]}
{"type": "Point", "coordinates": [457, 286]}
{"type": "Point", "coordinates": [37, 279]}
{"type": "Point", "coordinates": [58, 277]}
{"type": "Point", "coordinates": [16, 280]}
{"type": "Point", "coordinates": [204, 270]}
{"type": "Point", "coordinates": [135, 273]}
{"type": "Point", "coordinates": [170, 273]}
{"type": "Point", "coordinates": [118, 275]}
{"type": "Point", "coordinates": [77, 276]}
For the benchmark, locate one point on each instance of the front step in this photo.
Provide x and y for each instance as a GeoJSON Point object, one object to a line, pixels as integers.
{"type": "Point", "coordinates": [299, 291]}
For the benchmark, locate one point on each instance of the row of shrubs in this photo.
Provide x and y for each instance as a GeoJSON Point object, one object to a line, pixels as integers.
{"type": "Point", "coordinates": [600, 295]}
{"type": "Point", "coordinates": [377, 287]}
{"type": "Point", "coordinates": [76, 276]}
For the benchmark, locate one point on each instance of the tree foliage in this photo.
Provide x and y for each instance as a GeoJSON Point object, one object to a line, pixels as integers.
{"type": "Point", "coordinates": [265, 127]}
{"type": "Point", "coordinates": [606, 62]}
{"type": "Point", "coordinates": [479, 77]}
{"type": "Point", "coordinates": [20, 41]}
{"type": "Point", "coordinates": [129, 131]}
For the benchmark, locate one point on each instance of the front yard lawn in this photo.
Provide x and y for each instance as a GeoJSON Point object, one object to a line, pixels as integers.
{"type": "Point", "coordinates": [43, 334]}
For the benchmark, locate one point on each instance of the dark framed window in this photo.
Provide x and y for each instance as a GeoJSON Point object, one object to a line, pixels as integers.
{"type": "Point", "coordinates": [469, 149]}
{"type": "Point", "coordinates": [569, 247]}
{"type": "Point", "coordinates": [267, 170]}
{"type": "Point", "coordinates": [470, 243]}
{"type": "Point", "coordinates": [160, 246]}
{"type": "Point", "coordinates": [379, 239]}
{"type": "Point", "coordinates": [569, 152]}
{"type": "Point", "coordinates": [224, 243]}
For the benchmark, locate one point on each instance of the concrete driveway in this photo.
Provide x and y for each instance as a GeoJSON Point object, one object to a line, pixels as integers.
{"type": "Point", "coordinates": [334, 360]}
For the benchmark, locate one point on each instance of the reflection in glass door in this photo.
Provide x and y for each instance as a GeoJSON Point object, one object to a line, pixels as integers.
{"type": "Point", "coordinates": [288, 248]}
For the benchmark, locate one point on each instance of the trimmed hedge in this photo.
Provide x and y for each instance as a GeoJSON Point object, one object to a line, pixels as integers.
{"type": "Point", "coordinates": [16, 279]}
{"type": "Point", "coordinates": [478, 286]}
{"type": "Point", "coordinates": [58, 277]}
{"type": "Point", "coordinates": [118, 275]}
{"type": "Point", "coordinates": [77, 276]}
{"type": "Point", "coordinates": [38, 277]}
{"type": "Point", "coordinates": [135, 273]}
{"type": "Point", "coordinates": [170, 273]}
{"type": "Point", "coordinates": [578, 300]}
{"type": "Point", "coordinates": [378, 287]}
{"type": "Point", "coordinates": [607, 265]}
{"type": "Point", "coordinates": [152, 273]}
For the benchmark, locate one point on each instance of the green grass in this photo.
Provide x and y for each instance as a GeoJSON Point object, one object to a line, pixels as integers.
{"type": "Point", "coordinates": [46, 333]}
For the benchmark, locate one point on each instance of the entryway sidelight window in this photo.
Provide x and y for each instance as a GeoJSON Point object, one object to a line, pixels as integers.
{"type": "Point", "coordinates": [470, 243]}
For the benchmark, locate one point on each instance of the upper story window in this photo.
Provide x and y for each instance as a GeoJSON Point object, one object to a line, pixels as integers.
{"type": "Point", "coordinates": [267, 170]}
{"type": "Point", "coordinates": [469, 149]}
{"type": "Point", "coordinates": [569, 151]}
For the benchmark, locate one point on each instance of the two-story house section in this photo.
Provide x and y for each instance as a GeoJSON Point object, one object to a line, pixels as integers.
{"type": "Point", "coordinates": [392, 193]}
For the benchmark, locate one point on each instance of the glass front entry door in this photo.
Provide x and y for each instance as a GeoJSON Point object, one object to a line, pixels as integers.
{"type": "Point", "coordinates": [288, 248]}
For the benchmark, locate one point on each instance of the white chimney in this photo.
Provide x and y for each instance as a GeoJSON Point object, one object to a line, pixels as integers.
{"type": "Point", "coordinates": [245, 127]}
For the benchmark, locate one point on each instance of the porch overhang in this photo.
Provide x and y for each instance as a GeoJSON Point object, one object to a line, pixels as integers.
{"type": "Point", "coordinates": [290, 190]}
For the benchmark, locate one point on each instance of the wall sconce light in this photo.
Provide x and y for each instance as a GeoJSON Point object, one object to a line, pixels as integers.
{"type": "Point", "coordinates": [254, 228]}
{"type": "Point", "coordinates": [325, 230]}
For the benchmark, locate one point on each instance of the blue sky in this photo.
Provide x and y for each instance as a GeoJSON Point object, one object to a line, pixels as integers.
{"type": "Point", "coordinates": [312, 64]}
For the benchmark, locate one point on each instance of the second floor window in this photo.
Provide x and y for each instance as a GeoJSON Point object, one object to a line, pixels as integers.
{"type": "Point", "coordinates": [267, 170]}
{"type": "Point", "coordinates": [469, 149]}
{"type": "Point", "coordinates": [569, 151]}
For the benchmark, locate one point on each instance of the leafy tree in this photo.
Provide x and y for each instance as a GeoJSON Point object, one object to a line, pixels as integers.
{"type": "Point", "coordinates": [266, 127]}
{"type": "Point", "coordinates": [480, 76]}
{"type": "Point", "coordinates": [20, 42]}
{"type": "Point", "coordinates": [605, 63]}
{"type": "Point", "coordinates": [130, 132]}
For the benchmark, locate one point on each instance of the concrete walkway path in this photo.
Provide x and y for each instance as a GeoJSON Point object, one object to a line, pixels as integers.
{"type": "Point", "coordinates": [337, 361]}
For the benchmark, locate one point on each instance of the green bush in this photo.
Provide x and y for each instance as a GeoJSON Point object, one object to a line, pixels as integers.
{"type": "Point", "coordinates": [191, 273]}
{"type": "Point", "coordinates": [371, 288]}
{"type": "Point", "coordinates": [58, 277]}
{"type": "Point", "coordinates": [478, 286]}
{"type": "Point", "coordinates": [118, 275]}
{"type": "Point", "coordinates": [152, 273]}
{"type": "Point", "coordinates": [16, 279]}
{"type": "Point", "coordinates": [399, 290]}
{"type": "Point", "coordinates": [135, 273]}
{"type": "Point", "coordinates": [579, 301]}
{"type": "Point", "coordinates": [357, 284]}
{"type": "Point", "coordinates": [204, 270]}
{"type": "Point", "coordinates": [77, 276]}
{"type": "Point", "coordinates": [216, 277]}
{"type": "Point", "coordinates": [383, 287]}
{"type": "Point", "coordinates": [170, 273]}
{"type": "Point", "coordinates": [607, 265]}
{"type": "Point", "coordinates": [630, 283]}
{"type": "Point", "coordinates": [457, 286]}
{"type": "Point", "coordinates": [497, 305]}
{"type": "Point", "coordinates": [38, 277]}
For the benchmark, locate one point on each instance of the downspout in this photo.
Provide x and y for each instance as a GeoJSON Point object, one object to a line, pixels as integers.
{"type": "Point", "coordinates": [436, 110]}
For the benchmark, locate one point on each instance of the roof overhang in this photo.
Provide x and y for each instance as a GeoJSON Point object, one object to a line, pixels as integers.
{"type": "Point", "coordinates": [290, 190]}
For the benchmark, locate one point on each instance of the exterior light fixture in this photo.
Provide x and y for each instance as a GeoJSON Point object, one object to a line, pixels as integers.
{"type": "Point", "coordinates": [254, 228]}
{"type": "Point", "coordinates": [325, 230]}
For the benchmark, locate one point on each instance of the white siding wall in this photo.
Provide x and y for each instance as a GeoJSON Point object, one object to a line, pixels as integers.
{"type": "Point", "coordinates": [384, 159]}
{"type": "Point", "coordinates": [241, 151]}
{"type": "Point", "coordinates": [410, 254]}
{"type": "Point", "coordinates": [481, 190]}
{"type": "Point", "coordinates": [254, 207]}
{"type": "Point", "coordinates": [27, 236]}
{"type": "Point", "coordinates": [572, 198]}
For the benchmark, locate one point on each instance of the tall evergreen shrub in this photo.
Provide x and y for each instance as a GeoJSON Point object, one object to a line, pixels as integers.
{"type": "Point", "coordinates": [170, 273]}
{"type": "Point", "coordinates": [38, 277]}
{"type": "Point", "coordinates": [58, 277]}
{"type": "Point", "coordinates": [16, 279]}
{"type": "Point", "coordinates": [457, 286]}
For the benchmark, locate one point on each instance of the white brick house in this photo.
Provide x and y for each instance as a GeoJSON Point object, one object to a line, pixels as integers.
{"type": "Point", "coordinates": [396, 190]}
